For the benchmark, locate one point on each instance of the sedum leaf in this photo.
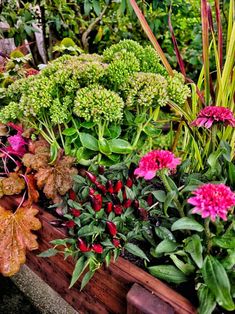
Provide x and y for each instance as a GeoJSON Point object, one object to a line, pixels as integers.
{"type": "Point", "coordinates": [16, 237]}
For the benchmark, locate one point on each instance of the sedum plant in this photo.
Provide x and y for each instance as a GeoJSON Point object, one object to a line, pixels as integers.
{"type": "Point", "coordinates": [97, 108]}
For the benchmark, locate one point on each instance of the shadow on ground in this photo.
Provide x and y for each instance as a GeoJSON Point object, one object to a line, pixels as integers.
{"type": "Point", "coordinates": [12, 300]}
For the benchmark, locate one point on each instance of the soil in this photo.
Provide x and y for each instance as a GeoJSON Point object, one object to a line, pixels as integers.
{"type": "Point", "coordinates": [12, 300]}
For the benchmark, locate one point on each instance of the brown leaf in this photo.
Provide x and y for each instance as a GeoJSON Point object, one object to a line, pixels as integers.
{"type": "Point", "coordinates": [36, 161]}
{"type": "Point", "coordinates": [11, 185]}
{"type": "Point", "coordinates": [33, 194]}
{"type": "Point", "coordinates": [16, 237]}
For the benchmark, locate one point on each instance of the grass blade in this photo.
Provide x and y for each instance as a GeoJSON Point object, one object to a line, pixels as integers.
{"type": "Point", "coordinates": [220, 33]}
{"type": "Point", "coordinates": [151, 36]}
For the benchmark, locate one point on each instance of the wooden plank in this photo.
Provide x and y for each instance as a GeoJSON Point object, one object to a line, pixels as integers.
{"type": "Point", "coordinates": [141, 301]}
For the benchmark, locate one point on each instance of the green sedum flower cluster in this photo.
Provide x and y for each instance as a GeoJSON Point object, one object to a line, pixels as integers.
{"type": "Point", "coordinates": [84, 84]}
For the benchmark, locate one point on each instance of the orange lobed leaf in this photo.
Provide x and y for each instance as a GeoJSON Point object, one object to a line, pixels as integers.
{"type": "Point", "coordinates": [16, 237]}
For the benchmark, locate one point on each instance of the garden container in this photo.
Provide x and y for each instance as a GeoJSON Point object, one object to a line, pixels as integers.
{"type": "Point", "coordinates": [120, 288]}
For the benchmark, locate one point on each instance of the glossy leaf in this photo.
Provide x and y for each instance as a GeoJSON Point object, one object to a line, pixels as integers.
{"type": "Point", "coordinates": [186, 223]}
{"type": "Point", "coordinates": [166, 246]}
{"type": "Point", "coordinates": [206, 300]}
{"type": "Point", "coordinates": [89, 141]}
{"type": "Point", "coordinates": [78, 270]}
{"type": "Point", "coordinates": [48, 253]}
{"type": "Point", "coordinates": [194, 248]}
{"type": "Point", "coordinates": [216, 279]}
{"type": "Point", "coordinates": [120, 146]}
{"type": "Point", "coordinates": [168, 273]}
{"type": "Point", "coordinates": [135, 250]}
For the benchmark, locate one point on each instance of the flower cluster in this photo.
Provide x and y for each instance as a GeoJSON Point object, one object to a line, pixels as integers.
{"type": "Point", "coordinates": [214, 114]}
{"type": "Point", "coordinates": [97, 103]}
{"type": "Point", "coordinates": [155, 161]}
{"type": "Point", "coordinates": [213, 200]}
{"type": "Point", "coordinates": [177, 91]}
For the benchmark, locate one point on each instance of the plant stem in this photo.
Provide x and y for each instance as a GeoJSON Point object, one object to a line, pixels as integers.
{"type": "Point", "coordinates": [213, 136]}
{"type": "Point", "coordinates": [208, 234]}
{"type": "Point", "coordinates": [177, 204]}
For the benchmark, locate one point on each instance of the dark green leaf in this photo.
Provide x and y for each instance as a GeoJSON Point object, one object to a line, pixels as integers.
{"type": "Point", "coordinates": [186, 223]}
{"type": "Point", "coordinates": [227, 241]}
{"type": "Point", "coordinates": [168, 273]}
{"type": "Point", "coordinates": [164, 233]}
{"type": "Point", "coordinates": [86, 279]}
{"type": "Point", "coordinates": [78, 270]}
{"type": "Point", "coordinates": [216, 279]}
{"type": "Point", "coordinates": [89, 230]}
{"type": "Point", "coordinates": [159, 195]}
{"type": "Point", "coordinates": [194, 248]}
{"type": "Point", "coordinates": [120, 146]}
{"type": "Point", "coordinates": [206, 300]}
{"type": "Point", "coordinates": [89, 141]}
{"type": "Point", "coordinates": [135, 250]}
{"type": "Point", "coordinates": [186, 268]}
{"type": "Point", "coordinates": [166, 246]}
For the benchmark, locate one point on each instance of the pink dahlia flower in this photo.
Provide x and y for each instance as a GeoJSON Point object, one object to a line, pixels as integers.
{"type": "Point", "coordinates": [155, 161]}
{"type": "Point", "coordinates": [214, 114]}
{"type": "Point", "coordinates": [212, 200]}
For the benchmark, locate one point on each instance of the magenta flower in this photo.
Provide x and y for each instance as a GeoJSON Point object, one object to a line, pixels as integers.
{"type": "Point", "coordinates": [17, 144]}
{"type": "Point", "coordinates": [155, 161]}
{"type": "Point", "coordinates": [212, 200]}
{"type": "Point", "coordinates": [214, 114]}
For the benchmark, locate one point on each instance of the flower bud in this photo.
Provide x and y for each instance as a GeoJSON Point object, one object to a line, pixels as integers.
{"type": "Point", "coordinates": [83, 247]}
{"type": "Point", "coordinates": [75, 212]}
{"type": "Point", "coordinates": [111, 228]}
{"type": "Point", "coordinates": [97, 248]}
{"type": "Point", "coordinates": [70, 224]}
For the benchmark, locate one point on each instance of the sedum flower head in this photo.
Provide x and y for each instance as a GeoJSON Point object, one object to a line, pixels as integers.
{"type": "Point", "coordinates": [146, 89]}
{"type": "Point", "coordinates": [96, 103]}
{"type": "Point", "coordinates": [178, 92]}
{"type": "Point", "coordinates": [213, 114]}
{"type": "Point", "coordinates": [155, 161]}
{"type": "Point", "coordinates": [122, 68]}
{"type": "Point", "coordinates": [212, 200]}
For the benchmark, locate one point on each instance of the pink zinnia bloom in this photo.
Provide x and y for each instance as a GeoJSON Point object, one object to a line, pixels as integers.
{"type": "Point", "coordinates": [155, 161]}
{"type": "Point", "coordinates": [212, 200]}
{"type": "Point", "coordinates": [214, 114]}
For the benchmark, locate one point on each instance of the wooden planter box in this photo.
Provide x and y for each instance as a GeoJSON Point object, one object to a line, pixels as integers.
{"type": "Point", "coordinates": [121, 288]}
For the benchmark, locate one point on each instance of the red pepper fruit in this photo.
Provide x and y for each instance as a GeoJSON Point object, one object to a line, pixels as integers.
{"type": "Point", "coordinates": [117, 209]}
{"type": "Point", "coordinates": [136, 204]}
{"type": "Point", "coordinates": [129, 183]}
{"type": "Point", "coordinates": [127, 203]}
{"type": "Point", "coordinates": [111, 228]}
{"type": "Point", "coordinates": [83, 247]}
{"type": "Point", "coordinates": [143, 213]}
{"type": "Point", "coordinates": [150, 199]}
{"type": "Point", "coordinates": [72, 195]}
{"type": "Point", "coordinates": [75, 212]}
{"type": "Point", "coordinates": [101, 169]}
{"type": "Point", "coordinates": [91, 176]}
{"type": "Point", "coordinates": [97, 248]}
{"type": "Point", "coordinates": [91, 191]}
{"type": "Point", "coordinates": [117, 186]}
{"type": "Point", "coordinates": [70, 224]}
{"type": "Point", "coordinates": [109, 186]}
{"type": "Point", "coordinates": [109, 207]}
{"type": "Point", "coordinates": [116, 242]}
{"type": "Point", "coordinates": [124, 194]}
{"type": "Point", "coordinates": [101, 187]}
{"type": "Point", "coordinates": [96, 202]}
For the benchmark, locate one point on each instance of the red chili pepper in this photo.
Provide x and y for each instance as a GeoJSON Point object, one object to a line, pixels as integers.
{"type": "Point", "coordinates": [111, 228]}
{"type": "Point", "coordinates": [109, 186]}
{"type": "Point", "coordinates": [143, 213]}
{"type": "Point", "coordinates": [101, 187]}
{"type": "Point", "coordinates": [83, 247]}
{"type": "Point", "coordinates": [127, 203]}
{"type": "Point", "coordinates": [90, 176]}
{"type": "Point", "coordinates": [150, 199]}
{"type": "Point", "coordinates": [96, 202]}
{"type": "Point", "coordinates": [101, 169]}
{"type": "Point", "coordinates": [72, 195]}
{"type": "Point", "coordinates": [91, 191]}
{"type": "Point", "coordinates": [75, 212]}
{"type": "Point", "coordinates": [70, 224]}
{"type": "Point", "coordinates": [109, 207]}
{"type": "Point", "coordinates": [118, 186]}
{"type": "Point", "coordinates": [124, 194]}
{"type": "Point", "coordinates": [136, 204]}
{"type": "Point", "coordinates": [97, 248]}
{"type": "Point", "coordinates": [117, 209]}
{"type": "Point", "coordinates": [116, 242]}
{"type": "Point", "coordinates": [129, 183]}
